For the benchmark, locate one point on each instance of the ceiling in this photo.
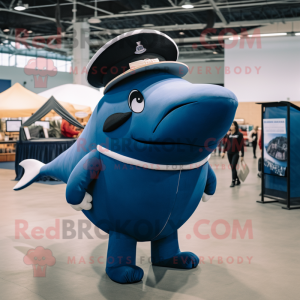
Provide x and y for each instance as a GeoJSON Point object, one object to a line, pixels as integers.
{"type": "Point", "coordinates": [185, 26]}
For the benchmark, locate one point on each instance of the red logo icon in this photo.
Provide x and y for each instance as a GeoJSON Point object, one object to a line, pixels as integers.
{"type": "Point", "coordinates": [41, 68]}
{"type": "Point", "coordinates": [39, 258]}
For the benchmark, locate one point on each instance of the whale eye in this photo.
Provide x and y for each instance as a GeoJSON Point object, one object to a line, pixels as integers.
{"type": "Point", "coordinates": [136, 101]}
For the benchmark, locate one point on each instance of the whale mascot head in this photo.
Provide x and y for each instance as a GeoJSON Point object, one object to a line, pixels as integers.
{"type": "Point", "coordinates": [140, 168]}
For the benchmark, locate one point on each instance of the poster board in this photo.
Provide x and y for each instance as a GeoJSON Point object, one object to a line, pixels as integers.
{"type": "Point", "coordinates": [27, 133]}
{"type": "Point", "coordinates": [13, 125]}
{"type": "Point", "coordinates": [275, 146]}
{"type": "Point", "coordinates": [280, 154]}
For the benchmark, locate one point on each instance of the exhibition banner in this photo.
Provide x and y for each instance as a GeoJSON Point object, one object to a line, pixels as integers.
{"type": "Point", "coordinates": [275, 146]}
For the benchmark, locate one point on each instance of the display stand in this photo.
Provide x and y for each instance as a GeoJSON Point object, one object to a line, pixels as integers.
{"type": "Point", "coordinates": [282, 188]}
{"type": "Point", "coordinates": [45, 149]}
{"type": "Point", "coordinates": [51, 104]}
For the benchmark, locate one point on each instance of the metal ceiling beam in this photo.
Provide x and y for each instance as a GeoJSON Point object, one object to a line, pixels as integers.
{"type": "Point", "coordinates": [171, 2]}
{"type": "Point", "coordinates": [31, 15]}
{"type": "Point", "coordinates": [197, 26]}
{"type": "Point", "coordinates": [93, 7]}
{"type": "Point", "coordinates": [33, 44]}
{"type": "Point", "coordinates": [208, 6]}
{"type": "Point", "coordinates": [183, 10]}
{"type": "Point", "coordinates": [97, 27]}
{"type": "Point", "coordinates": [4, 5]}
{"type": "Point", "coordinates": [181, 40]}
{"type": "Point", "coordinates": [181, 27]}
{"type": "Point", "coordinates": [11, 4]}
{"type": "Point", "coordinates": [196, 52]}
{"type": "Point", "coordinates": [149, 12]}
{"type": "Point", "coordinates": [48, 5]}
{"type": "Point", "coordinates": [199, 39]}
{"type": "Point", "coordinates": [218, 12]}
{"type": "Point", "coordinates": [211, 59]}
{"type": "Point", "coordinates": [71, 2]}
{"type": "Point", "coordinates": [54, 36]}
{"type": "Point", "coordinates": [191, 46]}
{"type": "Point", "coordinates": [74, 10]}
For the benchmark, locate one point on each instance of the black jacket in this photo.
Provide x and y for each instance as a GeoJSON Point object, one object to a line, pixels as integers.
{"type": "Point", "coordinates": [234, 143]}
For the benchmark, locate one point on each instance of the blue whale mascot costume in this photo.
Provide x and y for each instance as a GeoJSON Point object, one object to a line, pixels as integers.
{"type": "Point", "coordinates": [140, 167]}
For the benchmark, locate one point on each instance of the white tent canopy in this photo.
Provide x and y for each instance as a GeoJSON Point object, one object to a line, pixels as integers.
{"type": "Point", "coordinates": [17, 102]}
{"type": "Point", "coordinates": [76, 94]}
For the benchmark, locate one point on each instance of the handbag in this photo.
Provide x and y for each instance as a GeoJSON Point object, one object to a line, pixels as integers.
{"type": "Point", "coordinates": [243, 171]}
{"type": "Point", "coordinates": [259, 164]}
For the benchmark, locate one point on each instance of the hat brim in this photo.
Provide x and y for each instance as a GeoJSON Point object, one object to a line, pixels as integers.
{"type": "Point", "coordinates": [123, 47]}
{"type": "Point", "coordinates": [172, 67]}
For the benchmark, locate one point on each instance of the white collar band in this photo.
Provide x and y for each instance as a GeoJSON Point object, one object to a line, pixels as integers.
{"type": "Point", "coordinates": [147, 165]}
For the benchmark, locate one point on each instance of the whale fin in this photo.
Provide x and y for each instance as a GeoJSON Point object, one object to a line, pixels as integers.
{"type": "Point", "coordinates": [32, 170]}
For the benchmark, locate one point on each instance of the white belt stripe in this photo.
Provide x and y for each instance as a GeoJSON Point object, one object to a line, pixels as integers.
{"type": "Point", "coordinates": [147, 165]}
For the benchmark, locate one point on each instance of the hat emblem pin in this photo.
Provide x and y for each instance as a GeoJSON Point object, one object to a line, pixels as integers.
{"type": "Point", "coordinates": [139, 48]}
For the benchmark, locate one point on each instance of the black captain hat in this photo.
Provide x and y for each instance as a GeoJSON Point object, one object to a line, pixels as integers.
{"type": "Point", "coordinates": [131, 53]}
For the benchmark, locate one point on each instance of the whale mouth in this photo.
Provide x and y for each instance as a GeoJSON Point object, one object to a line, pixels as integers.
{"type": "Point", "coordinates": [147, 165]}
{"type": "Point", "coordinates": [169, 143]}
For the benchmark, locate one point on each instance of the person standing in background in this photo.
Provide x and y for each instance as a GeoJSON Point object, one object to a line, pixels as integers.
{"type": "Point", "coordinates": [233, 145]}
{"type": "Point", "coordinates": [260, 163]}
{"type": "Point", "coordinates": [253, 139]}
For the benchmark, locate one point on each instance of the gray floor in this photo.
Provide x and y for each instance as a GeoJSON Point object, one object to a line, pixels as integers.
{"type": "Point", "coordinates": [273, 271]}
{"type": "Point", "coordinates": [8, 165]}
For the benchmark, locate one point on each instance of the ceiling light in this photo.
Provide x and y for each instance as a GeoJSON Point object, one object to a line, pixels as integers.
{"type": "Point", "coordinates": [20, 6]}
{"type": "Point", "coordinates": [273, 34]}
{"type": "Point", "coordinates": [6, 30]}
{"type": "Point", "coordinates": [235, 37]}
{"type": "Point", "coordinates": [267, 34]}
{"type": "Point", "coordinates": [298, 33]}
{"type": "Point", "coordinates": [94, 20]}
{"type": "Point", "coordinates": [215, 52]}
{"type": "Point", "coordinates": [187, 4]}
{"type": "Point", "coordinates": [181, 33]}
{"type": "Point", "coordinates": [29, 31]}
{"type": "Point", "coordinates": [148, 25]}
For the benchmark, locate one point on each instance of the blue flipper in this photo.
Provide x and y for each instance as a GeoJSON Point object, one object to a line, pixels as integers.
{"type": "Point", "coordinates": [121, 259]}
{"type": "Point", "coordinates": [211, 184]}
{"type": "Point", "coordinates": [83, 174]}
{"type": "Point", "coordinates": [166, 253]}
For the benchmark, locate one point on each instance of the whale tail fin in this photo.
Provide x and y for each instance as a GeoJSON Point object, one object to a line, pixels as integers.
{"type": "Point", "coordinates": [32, 172]}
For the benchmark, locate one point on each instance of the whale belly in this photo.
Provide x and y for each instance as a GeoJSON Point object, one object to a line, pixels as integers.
{"type": "Point", "coordinates": [140, 202]}
{"type": "Point", "coordinates": [190, 190]}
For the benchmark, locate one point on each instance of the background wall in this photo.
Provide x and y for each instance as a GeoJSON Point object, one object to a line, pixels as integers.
{"type": "Point", "coordinates": [266, 70]}
{"type": "Point", "coordinates": [251, 112]}
{"type": "Point", "coordinates": [17, 75]}
{"type": "Point", "coordinates": [205, 72]}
